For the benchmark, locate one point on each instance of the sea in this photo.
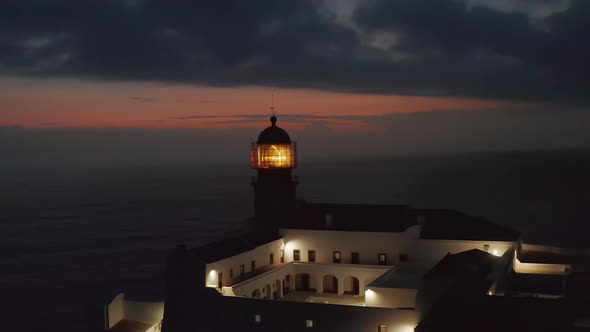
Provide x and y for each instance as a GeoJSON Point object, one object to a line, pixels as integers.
{"type": "Point", "coordinates": [73, 236]}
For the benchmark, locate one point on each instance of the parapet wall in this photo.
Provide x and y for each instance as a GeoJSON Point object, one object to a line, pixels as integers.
{"type": "Point", "coordinates": [224, 313]}
{"type": "Point", "coordinates": [121, 308]}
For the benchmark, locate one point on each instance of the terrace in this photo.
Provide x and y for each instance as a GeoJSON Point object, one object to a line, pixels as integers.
{"type": "Point", "coordinates": [310, 282]}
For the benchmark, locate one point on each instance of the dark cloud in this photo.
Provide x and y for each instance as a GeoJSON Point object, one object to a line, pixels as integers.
{"type": "Point", "coordinates": [443, 46]}
{"type": "Point", "coordinates": [283, 117]}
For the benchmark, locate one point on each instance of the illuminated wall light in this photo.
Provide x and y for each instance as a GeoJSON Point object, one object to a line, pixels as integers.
{"type": "Point", "coordinates": [496, 252]}
{"type": "Point", "coordinates": [289, 246]}
{"type": "Point", "coordinates": [407, 328]}
{"type": "Point", "coordinates": [211, 278]}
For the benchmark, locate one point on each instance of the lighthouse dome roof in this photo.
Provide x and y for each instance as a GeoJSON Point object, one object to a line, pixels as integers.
{"type": "Point", "coordinates": [273, 134]}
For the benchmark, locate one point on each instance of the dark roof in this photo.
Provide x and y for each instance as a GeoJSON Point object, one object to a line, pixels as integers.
{"type": "Point", "coordinates": [468, 262]}
{"type": "Point", "coordinates": [454, 225]}
{"type": "Point", "coordinates": [406, 276]}
{"type": "Point", "coordinates": [437, 224]}
{"type": "Point", "coordinates": [273, 134]}
{"type": "Point", "coordinates": [232, 246]}
{"type": "Point", "coordinates": [464, 306]}
{"type": "Point", "coordinates": [458, 311]}
{"type": "Point", "coordinates": [351, 217]}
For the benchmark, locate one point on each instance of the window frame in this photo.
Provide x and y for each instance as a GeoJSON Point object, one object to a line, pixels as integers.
{"type": "Point", "coordinates": [311, 256]}
{"type": "Point", "coordinates": [336, 257]}
{"type": "Point", "coordinates": [296, 255]}
{"type": "Point", "coordinates": [384, 261]}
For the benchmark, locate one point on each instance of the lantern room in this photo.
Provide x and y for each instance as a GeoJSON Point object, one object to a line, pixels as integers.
{"type": "Point", "coordinates": [273, 149]}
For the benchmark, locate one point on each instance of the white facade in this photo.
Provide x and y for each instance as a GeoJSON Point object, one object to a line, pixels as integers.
{"type": "Point", "coordinates": [338, 262]}
{"type": "Point", "coordinates": [343, 279]}
{"type": "Point", "coordinates": [231, 267]}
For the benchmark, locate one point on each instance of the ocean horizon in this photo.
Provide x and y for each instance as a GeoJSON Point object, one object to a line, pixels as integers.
{"type": "Point", "coordinates": [75, 235]}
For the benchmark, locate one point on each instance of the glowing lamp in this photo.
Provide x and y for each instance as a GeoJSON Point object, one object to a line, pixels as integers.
{"type": "Point", "coordinates": [274, 149]}
{"type": "Point", "coordinates": [274, 155]}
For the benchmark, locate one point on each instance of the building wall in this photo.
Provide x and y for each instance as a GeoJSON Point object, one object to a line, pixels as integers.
{"type": "Point", "coordinates": [121, 308]}
{"type": "Point", "coordinates": [261, 255]}
{"type": "Point", "coordinates": [555, 250]}
{"type": "Point", "coordinates": [538, 268]}
{"type": "Point", "coordinates": [149, 312]}
{"type": "Point", "coordinates": [316, 271]}
{"type": "Point", "coordinates": [368, 244]}
{"type": "Point", "coordinates": [431, 251]}
{"type": "Point", "coordinates": [293, 316]}
{"type": "Point", "coordinates": [248, 287]}
{"type": "Point", "coordinates": [114, 311]}
{"type": "Point", "coordinates": [391, 297]}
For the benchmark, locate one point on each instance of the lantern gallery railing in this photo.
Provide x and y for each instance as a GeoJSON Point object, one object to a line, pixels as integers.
{"type": "Point", "coordinates": [274, 155]}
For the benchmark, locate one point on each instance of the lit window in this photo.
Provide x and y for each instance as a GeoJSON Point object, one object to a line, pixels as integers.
{"type": "Point", "coordinates": [296, 254]}
{"type": "Point", "coordinates": [382, 258]}
{"type": "Point", "coordinates": [382, 328]}
{"type": "Point", "coordinates": [336, 257]}
{"type": "Point", "coordinates": [309, 323]}
{"type": "Point", "coordinates": [273, 155]}
{"type": "Point", "coordinates": [257, 318]}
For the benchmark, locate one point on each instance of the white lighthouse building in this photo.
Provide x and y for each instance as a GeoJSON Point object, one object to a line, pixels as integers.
{"type": "Point", "coordinates": [364, 268]}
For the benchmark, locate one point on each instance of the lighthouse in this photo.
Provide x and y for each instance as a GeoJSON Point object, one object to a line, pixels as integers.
{"type": "Point", "coordinates": [274, 156]}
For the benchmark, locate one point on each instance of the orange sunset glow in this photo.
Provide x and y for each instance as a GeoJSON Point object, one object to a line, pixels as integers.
{"type": "Point", "coordinates": [86, 104]}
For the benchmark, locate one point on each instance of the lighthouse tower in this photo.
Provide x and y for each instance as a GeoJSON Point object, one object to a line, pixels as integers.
{"type": "Point", "coordinates": [273, 156]}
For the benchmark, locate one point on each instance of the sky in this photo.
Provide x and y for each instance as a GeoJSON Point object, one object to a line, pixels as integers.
{"type": "Point", "coordinates": [158, 81]}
